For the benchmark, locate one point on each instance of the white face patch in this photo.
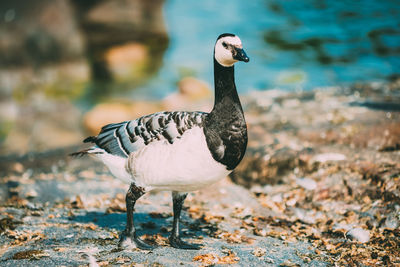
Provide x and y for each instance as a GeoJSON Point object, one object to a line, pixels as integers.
{"type": "Point", "coordinates": [223, 53]}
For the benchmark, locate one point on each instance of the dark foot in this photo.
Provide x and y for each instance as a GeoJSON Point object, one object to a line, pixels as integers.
{"type": "Point", "coordinates": [177, 242]}
{"type": "Point", "coordinates": [132, 241]}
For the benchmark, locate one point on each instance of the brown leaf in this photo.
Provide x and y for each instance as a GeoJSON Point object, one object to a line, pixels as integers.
{"type": "Point", "coordinates": [211, 258]}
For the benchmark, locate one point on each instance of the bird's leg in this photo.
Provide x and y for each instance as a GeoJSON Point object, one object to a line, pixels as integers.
{"type": "Point", "coordinates": [175, 239]}
{"type": "Point", "coordinates": [129, 235]}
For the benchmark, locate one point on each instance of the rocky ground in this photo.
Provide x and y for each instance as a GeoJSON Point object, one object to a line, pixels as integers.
{"type": "Point", "coordinates": [319, 186]}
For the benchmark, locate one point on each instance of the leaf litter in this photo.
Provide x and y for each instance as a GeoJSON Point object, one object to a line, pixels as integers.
{"type": "Point", "coordinates": [326, 177]}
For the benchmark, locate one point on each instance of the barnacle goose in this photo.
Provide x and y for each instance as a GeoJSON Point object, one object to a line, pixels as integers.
{"type": "Point", "coordinates": [178, 151]}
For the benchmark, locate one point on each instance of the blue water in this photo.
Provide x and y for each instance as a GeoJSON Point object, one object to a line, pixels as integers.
{"type": "Point", "coordinates": [291, 44]}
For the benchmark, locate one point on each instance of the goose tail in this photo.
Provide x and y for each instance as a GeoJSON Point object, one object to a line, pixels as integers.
{"type": "Point", "coordinates": [89, 151]}
{"type": "Point", "coordinates": [80, 153]}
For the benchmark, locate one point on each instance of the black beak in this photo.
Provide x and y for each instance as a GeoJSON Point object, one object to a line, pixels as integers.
{"type": "Point", "coordinates": [241, 55]}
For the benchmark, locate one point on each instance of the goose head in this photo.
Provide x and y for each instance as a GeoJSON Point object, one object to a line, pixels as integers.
{"type": "Point", "coordinates": [229, 50]}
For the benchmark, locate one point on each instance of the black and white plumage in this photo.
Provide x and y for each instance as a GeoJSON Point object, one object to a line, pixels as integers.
{"type": "Point", "coordinates": [178, 151]}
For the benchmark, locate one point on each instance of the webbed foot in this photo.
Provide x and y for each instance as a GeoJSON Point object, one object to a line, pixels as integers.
{"type": "Point", "coordinates": [132, 241]}
{"type": "Point", "coordinates": [177, 242]}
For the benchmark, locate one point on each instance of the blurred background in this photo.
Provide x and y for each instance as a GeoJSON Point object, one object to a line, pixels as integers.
{"type": "Point", "coordinates": [67, 67]}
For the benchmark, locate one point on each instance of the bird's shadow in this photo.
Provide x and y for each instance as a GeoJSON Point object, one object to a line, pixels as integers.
{"type": "Point", "coordinates": [145, 223]}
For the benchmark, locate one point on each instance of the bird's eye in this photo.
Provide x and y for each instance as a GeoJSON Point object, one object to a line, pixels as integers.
{"type": "Point", "coordinates": [224, 45]}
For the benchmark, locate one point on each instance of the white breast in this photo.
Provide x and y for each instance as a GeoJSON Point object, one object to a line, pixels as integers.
{"type": "Point", "coordinates": [185, 165]}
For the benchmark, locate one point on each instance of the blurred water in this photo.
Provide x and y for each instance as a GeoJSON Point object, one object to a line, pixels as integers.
{"type": "Point", "coordinates": [291, 44]}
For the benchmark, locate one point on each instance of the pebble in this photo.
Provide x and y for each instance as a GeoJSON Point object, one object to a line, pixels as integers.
{"type": "Point", "coordinates": [277, 198]}
{"type": "Point", "coordinates": [291, 103]}
{"type": "Point", "coordinates": [291, 202]}
{"type": "Point", "coordinates": [31, 193]}
{"type": "Point", "coordinates": [18, 167]}
{"type": "Point", "coordinates": [194, 88]}
{"type": "Point", "coordinates": [306, 183]}
{"type": "Point", "coordinates": [340, 226]}
{"type": "Point", "coordinates": [358, 234]}
{"type": "Point", "coordinates": [262, 232]}
{"type": "Point", "coordinates": [34, 206]}
{"type": "Point", "coordinates": [269, 260]}
{"type": "Point", "coordinates": [391, 222]}
{"type": "Point", "coordinates": [304, 215]}
{"type": "Point", "coordinates": [329, 157]}
{"type": "Point", "coordinates": [256, 189]}
{"type": "Point", "coordinates": [127, 61]}
{"type": "Point", "coordinates": [259, 252]}
{"type": "Point", "coordinates": [193, 94]}
{"type": "Point", "coordinates": [88, 253]}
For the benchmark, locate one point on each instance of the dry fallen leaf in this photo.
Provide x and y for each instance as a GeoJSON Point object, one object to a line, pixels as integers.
{"type": "Point", "coordinates": [208, 259]}
{"type": "Point", "coordinates": [211, 258]}
{"type": "Point", "coordinates": [22, 237]}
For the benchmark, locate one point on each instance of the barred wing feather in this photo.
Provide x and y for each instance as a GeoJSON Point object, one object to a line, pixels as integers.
{"type": "Point", "coordinates": [121, 139]}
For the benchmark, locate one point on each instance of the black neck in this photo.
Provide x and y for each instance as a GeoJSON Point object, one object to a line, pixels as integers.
{"type": "Point", "coordinates": [225, 88]}
{"type": "Point", "coordinates": [225, 126]}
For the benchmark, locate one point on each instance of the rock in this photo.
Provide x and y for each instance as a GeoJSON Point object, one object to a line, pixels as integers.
{"type": "Point", "coordinates": [391, 222]}
{"type": "Point", "coordinates": [358, 234]}
{"type": "Point", "coordinates": [31, 193]}
{"type": "Point", "coordinates": [265, 100]}
{"type": "Point", "coordinates": [307, 216]}
{"type": "Point", "coordinates": [325, 157]}
{"type": "Point", "coordinates": [103, 114]}
{"type": "Point", "coordinates": [49, 135]}
{"type": "Point", "coordinates": [193, 95]}
{"type": "Point", "coordinates": [18, 167]}
{"type": "Point", "coordinates": [141, 108]}
{"type": "Point", "coordinates": [289, 263]}
{"type": "Point", "coordinates": [341, 226]}
{"type": "Point", "coordinates": [269, 260]}
{"type": "Point", "coordinates": [15, 141]}
{"type": "Point", "coordinates": [8, 110]}
{"type": "Point", "coordinates": [107, 27]}
{"type": "Point", "coordinates": [390, 141]}
{"type": "Point", "coordinates": [306, 183]}
{"type": "Point", "coordinates": [88, 253]}
{"type": "Point", "coordinates": [291, 103]}
{"type": "Point", "coordinates": [128, 61]}
{"type": "Point", "coordinates": [194, 88]}
{"type": "Point", "coordinates": [41, 33]}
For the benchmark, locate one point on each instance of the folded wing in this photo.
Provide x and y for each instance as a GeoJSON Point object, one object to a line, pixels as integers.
{"type": "Point", "coordinates": [121, 139]}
